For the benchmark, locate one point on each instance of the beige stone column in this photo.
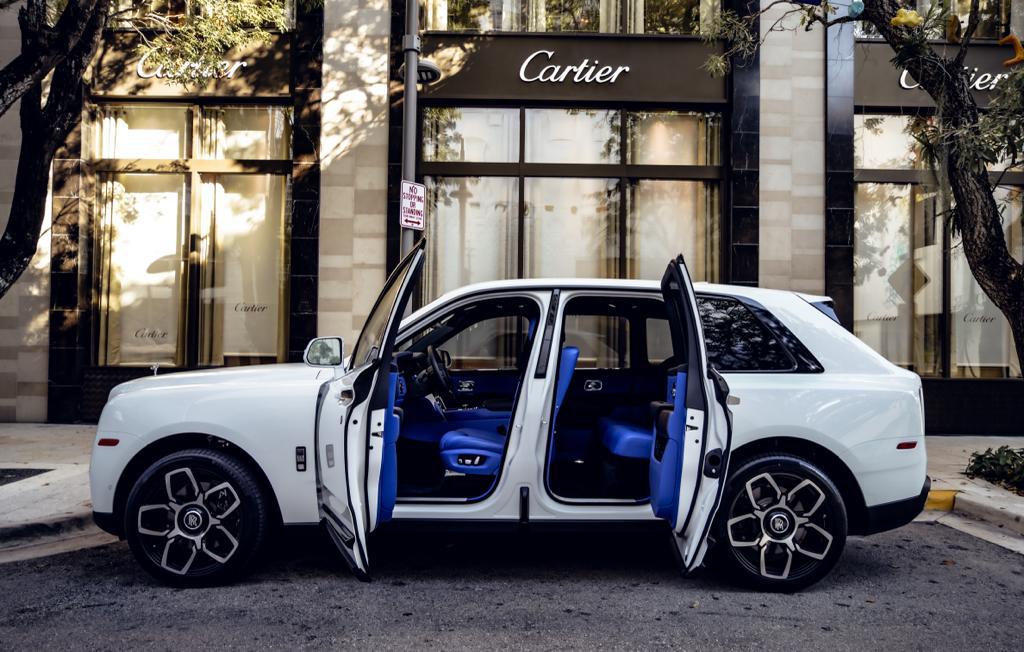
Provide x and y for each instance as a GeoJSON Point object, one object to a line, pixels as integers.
{"type": "Point", "coordinates": [353, 185]}
{"type": "Point", "coordinates": [792, 161]}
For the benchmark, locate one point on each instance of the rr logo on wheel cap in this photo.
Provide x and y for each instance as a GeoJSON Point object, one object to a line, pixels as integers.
{"type": "Point", "coordinates": [779, 523]}
{"type": "Point", "coordinates": [192, 520]}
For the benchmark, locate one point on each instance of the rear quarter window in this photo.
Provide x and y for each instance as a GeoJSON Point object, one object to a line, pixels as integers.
{"type": "Point", "coordinates": [736, 340]}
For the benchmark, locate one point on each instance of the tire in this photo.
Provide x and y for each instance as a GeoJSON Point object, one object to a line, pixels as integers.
{"type": "Point", "coordinates": [197, 517]}
{"type": "Point", "coordinates": [762, 538]}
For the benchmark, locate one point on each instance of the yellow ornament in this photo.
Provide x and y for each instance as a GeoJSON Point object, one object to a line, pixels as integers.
{"type": "Point", "coordinates": [907, 18]}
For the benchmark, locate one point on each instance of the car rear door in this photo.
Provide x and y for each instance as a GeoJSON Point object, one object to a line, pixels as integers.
{"type": "Point", "coordinates": [357, 428]}
{"type": "Point", "coordinates": [693, 428]}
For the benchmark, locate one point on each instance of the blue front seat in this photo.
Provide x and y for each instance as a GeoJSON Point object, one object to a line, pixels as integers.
{"type": "Point", "coordinates": [478, 452]}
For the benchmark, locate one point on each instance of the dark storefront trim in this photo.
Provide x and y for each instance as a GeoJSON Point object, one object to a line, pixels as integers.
{"type": "Point", "coordinates": [77, 388]}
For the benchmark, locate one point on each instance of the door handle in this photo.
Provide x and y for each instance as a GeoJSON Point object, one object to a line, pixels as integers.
{"type": "Point", "coordinates": [466, 386]}
{"type": "Point", "coordinates": [593, 386]}
{"type": "Point", "coordinates": [732, 400]}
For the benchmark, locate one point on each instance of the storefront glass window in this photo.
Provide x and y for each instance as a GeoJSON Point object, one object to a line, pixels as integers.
{"type": "Point", "coordinates": [471, 134]}
{"type": "Point", "coordinates": [981, 339]}
{"type": "Point", "coordinates": [611, 213]}
{"type": "Point", "coordinates": [670, 138]}
{"type": "Point", "coordinates": [473, 232]}
{"type": "Point", "coordinates": [141, 232]}
{"type": "Point", "coordinates": [996, 17]}
{"type": "Point", "coordinates": [612, 16]}
{"type": "Point", "coordinates": [193, 267]}
{"type": "Point", "coordinates": [571, 228]}
{"type": "Point", "coordinates": [572, 136]}
{"type": "Point", "coordinates": [245, 133]}
{"type": "Point", "coordinates": [242, 257]}
{"type": "Point", "coordinates": [137, 132]}
{"type": "Point", "coordinates": [666, 218]}
{"type": "Point", "coordinates": [887, 142]}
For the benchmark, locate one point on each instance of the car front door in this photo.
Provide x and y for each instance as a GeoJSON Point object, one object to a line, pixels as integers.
{"type": "Point", "coordinates": [693, 428]}
{"type": "Point", "coordinates": [357, 428]}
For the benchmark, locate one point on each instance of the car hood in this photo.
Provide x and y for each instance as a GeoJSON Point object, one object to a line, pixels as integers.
{"type": "Point", "coordinates": [264, 375]}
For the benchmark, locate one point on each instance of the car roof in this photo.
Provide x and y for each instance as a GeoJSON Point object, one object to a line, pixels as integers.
{"type": "Point", "coordinates": [761, 295]}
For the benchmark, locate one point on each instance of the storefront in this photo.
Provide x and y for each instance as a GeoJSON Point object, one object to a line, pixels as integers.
{"type": "Point", "coordinates": [180, 232]}
{"type": "Point", "coordinates": [580, 139]}
{"type": "Point", "coordinates": [909, 291]}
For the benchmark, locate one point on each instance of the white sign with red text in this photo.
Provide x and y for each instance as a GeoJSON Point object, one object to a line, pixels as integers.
{"type": "Point", "coordinates": [414, 204]}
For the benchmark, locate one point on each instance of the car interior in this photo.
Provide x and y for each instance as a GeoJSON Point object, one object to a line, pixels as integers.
{"type": "Point", "coordinates": [618, 392]}
{"type": "Point", "coordinates": [456, 388]}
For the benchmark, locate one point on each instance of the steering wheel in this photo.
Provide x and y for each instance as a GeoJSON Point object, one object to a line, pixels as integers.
{"type": "Point", "coordinates": [439, 371]}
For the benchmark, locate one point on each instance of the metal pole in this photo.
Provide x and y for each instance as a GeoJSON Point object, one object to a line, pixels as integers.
{"type": "Point", "coordinates": [411, 48]}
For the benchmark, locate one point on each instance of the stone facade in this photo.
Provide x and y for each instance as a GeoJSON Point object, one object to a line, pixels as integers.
{"type": "Point", "coordinates": [24, 318]}
{"type": "Point", "coordinates": [354, 158]}
{"type": "Point", "coordinates": [792, 222]}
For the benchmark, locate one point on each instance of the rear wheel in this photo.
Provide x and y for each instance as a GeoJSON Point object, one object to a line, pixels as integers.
{"type": "Point", "coordinates": [783, 523]}
{"type": "Point", "coordinates": [196, 517]}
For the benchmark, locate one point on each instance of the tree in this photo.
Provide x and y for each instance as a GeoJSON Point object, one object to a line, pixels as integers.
{"type": "Point", "coordinates": [963, 142]}
{"type": "Point", "coordinates": [60, 38]}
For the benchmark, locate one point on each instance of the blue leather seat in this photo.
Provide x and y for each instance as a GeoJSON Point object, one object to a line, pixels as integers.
{"type": "Point", "coordinates": [625, 439]}
{"type": "Point", "coordinates": [479, 452]}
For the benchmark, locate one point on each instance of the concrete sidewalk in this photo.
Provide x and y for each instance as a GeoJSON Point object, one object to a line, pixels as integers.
{"type": "Point", "coordinates": [56, 502]}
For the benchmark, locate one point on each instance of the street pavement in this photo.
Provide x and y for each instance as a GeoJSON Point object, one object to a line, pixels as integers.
{"type": "Point", "coordinates": [923, 587]}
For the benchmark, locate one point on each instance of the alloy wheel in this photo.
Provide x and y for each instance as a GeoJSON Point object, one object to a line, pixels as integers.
{"type": "Point", "coordinates": [190, 523]}
{"type": "Point", "coordinates": [779, 525]}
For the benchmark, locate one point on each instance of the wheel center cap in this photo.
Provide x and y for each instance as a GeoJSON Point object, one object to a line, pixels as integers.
{"type": "Point", "coordinates": [193, 519]}
{"type": "Point", "coordinates": [778, 524]}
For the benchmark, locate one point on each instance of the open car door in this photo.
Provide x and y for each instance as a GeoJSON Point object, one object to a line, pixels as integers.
{"type": "Point", "coordinates": [357, 429]}
{"type": "Point", "coordinates": [693, 428]}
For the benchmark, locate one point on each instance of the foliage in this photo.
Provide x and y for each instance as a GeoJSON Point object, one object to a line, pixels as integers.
{"type": "Point", "coordinates": [189, 40]}
{"type": "Point", "coordinates": [1003, 466]}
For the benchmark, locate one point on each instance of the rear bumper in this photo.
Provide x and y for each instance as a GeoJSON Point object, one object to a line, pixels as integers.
{"type": "Point", "coordinates": [890, 516]}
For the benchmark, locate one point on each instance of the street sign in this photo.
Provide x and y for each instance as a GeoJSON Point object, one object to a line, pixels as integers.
{"type": "Point", "coordinates": [414, 204]}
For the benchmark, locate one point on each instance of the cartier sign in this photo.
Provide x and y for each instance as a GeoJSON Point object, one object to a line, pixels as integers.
{"type": "Point", "coordinates": [572, 69]}
{"type": "Point", "coordinates": [223, 69]}
{"type": "Point", "coordinates": [540, 67]}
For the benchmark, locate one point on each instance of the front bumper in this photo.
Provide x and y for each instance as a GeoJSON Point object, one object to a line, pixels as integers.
{"type": "Point", "coordinates": [890, 516]}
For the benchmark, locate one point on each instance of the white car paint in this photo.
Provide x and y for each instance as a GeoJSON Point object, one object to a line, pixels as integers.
{"type": "Point", "coordinates": [859, 408]}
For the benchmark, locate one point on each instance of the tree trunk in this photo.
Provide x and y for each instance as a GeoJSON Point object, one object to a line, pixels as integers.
{"type": "Point", "coordinates": [43, 129]}
{"type": "Point", "coordinates": [976, 213]}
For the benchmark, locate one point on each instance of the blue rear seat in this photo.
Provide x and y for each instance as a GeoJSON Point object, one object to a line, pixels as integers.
{"type": "Point", "coordinates": [625, 439]}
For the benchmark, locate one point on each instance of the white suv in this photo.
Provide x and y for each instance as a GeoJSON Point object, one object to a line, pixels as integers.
{"type": "Point", "coordinates": [747, 420]}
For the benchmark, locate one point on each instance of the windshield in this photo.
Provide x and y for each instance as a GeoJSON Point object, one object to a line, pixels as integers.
{"type": "Point", "coordinates": [371, 339]}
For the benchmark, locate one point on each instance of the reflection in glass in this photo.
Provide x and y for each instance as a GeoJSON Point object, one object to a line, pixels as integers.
{"type": "Point", "coordinates": [670, 138]}
{"type": "Point", "coordinates": [245, 133]}
{"type": "Point", "coordinates": [479, 135]}
{"type": "Point", "coordinates": [472, 229]}
{"type": "Point", "coordinates": [603, 340]}
{"type": "Point", "coordinates": [243, 277]}
{"type": "Point", "coordinates": [521, 15]}
{"type": "Point", "coordinates": [666, 218]}
{"type": "Point", "coordinates": [882, 296]}
{"type": "Point", "coordinates": [571, 228]}
{"type": "Point", "coordinates": [981, 339]}
{"type": "Point", "coordinates": [141, 238]}
{"type": "Point", "coordinates": [887, 142]}
{"type": "Point", "coordinates": [572, 136]}
{"type": "Point", "coordinates": [670, 16]}
{"type": "Point", "coordinates": [142, 132]}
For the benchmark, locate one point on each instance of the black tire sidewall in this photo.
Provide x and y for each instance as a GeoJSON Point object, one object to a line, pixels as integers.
{"type": "Point", "coordinates": [723, 553]}
{"type": "Point", "coordinates": [254, 523]}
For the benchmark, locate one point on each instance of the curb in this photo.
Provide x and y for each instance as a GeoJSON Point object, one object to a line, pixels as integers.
{"type": "Point", "coordinates": [941, 500]}
{"type": "Point", "coordinates": [19, 533]}
{"type": "Point", "coordinates": [991, 510]}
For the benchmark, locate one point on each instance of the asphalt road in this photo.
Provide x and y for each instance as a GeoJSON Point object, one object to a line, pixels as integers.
{"type": "Point", "coordinates": [922, 587]}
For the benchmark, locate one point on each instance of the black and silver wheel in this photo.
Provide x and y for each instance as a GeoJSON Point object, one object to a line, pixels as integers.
{"type": "Point", "coordinates": [782, 525]}
{"type": "Point", "coordinates": [196, 517]}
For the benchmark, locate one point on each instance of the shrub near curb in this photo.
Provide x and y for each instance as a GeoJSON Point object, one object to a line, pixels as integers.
{"type": "Point", "coordinates": [1003, 466]}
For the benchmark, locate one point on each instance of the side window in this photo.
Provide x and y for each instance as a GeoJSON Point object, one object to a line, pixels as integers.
{"type": "Point", "coordinates": [493, 343]}
{"type": "Point", "coordinates": [736, 339]}
{"type": "Point", "coordinates": [603, 340]}
{"type": "Point", "coordinates": [659, 340]}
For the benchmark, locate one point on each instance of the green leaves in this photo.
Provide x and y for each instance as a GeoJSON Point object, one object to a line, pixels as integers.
{"type": "Point", "coordinates": [1003, 465]}
{"type": "Point", "coordinates": [189, 38]}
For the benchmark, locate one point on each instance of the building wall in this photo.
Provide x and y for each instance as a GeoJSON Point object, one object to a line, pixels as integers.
{"type": "Point", "coordinates": [354, 156]}
{"type": "Point", "coordinates": [24, 320]}
{"type": "Point", "coordinates": [792, 191]}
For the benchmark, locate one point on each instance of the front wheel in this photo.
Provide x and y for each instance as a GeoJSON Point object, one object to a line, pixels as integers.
{"type": "Point", "coordinates": [196, 517]}
{"type": "Point", "coordinates": [783, 523]}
